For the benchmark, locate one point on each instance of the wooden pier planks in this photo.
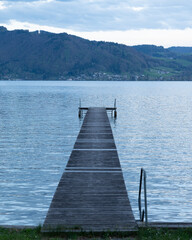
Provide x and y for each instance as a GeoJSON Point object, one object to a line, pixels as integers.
{"type": "Point", "coordinates": [91, 195]}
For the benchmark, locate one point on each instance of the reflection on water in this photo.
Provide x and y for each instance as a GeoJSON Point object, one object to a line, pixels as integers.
{"type": "Point", "coordinates": [39, 124]}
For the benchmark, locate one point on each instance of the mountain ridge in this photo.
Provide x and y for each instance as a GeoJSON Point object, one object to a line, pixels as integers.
{"type": "Point", "coordinates": [43, 55]}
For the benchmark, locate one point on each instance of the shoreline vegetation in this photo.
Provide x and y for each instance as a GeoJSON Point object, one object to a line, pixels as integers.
{"type": "Point", "coordinates": [142, 234]}
{"type": "Point", "coordinates": [47, 56]}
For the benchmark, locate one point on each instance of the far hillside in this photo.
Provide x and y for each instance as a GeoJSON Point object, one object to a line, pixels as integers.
{"type": "Point", "coordinates": [181, 50]}
{"type": "Point", "coordinates": [174, 63]}
{"type": "Point", "coordinates": [43, 55]}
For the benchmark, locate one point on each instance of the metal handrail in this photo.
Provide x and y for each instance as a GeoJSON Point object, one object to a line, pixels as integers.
{"type": "Point", "coordinates": [112, 109]}
{"type": "Point", "coordinates": [143, 213]}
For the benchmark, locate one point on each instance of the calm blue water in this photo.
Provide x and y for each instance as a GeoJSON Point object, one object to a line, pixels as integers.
{"type": "Point", "coordinates": [39, 125]}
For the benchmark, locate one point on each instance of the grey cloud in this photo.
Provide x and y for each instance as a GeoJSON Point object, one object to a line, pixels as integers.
{"type": "Point", "coordinates": [20, 1]}
{"type": "Point", "coordinates": [94, 15]}
{"type": "Point", "coordinates": [13, 1]}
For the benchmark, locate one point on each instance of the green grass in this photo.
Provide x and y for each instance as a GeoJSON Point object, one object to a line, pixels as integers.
{"type": "Point", "coordinates": [184, 63]}
{"type": "Point", "coordinates": [165, 234]}
{"type": "Point", "coordinates": [16, 234]}
{"type": "Point", "coordinates": [143, 234]}
{"type": "Point", "coordinates": [162, 72]}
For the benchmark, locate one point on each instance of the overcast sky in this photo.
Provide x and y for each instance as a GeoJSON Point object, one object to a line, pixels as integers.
{"type": "Point", "coordinates": [132, 22]}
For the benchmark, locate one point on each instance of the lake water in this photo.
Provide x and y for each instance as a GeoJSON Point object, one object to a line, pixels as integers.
{"type": "Point", "coordinates": [39, 125]}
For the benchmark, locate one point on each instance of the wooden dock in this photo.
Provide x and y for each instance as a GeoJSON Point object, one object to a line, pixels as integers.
{"type": "Point", "coordinates": [91, 195]}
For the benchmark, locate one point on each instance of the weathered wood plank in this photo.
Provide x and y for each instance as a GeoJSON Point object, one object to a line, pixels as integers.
{"type": "Point", "coordinates": [91, 193]}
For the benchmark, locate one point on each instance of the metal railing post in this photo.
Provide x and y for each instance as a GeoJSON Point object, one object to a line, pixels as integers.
{"type": "Point", "coordinates": [143, 214]}
{"type": "Point", "coordinates": [139, 196]}
{"type": "Point", "coordinates": [145, 196]}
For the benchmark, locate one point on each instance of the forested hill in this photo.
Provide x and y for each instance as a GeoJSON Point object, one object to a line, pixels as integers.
{"type": "Point", "coordinates": [43, 55]}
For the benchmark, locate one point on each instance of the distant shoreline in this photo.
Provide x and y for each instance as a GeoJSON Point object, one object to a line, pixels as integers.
{"type": "Point", "coordinates": [57, 80]}
{"type": "Point", "coordinates": [48, 56]}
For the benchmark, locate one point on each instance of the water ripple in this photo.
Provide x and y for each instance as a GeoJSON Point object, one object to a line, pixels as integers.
{"type": "Point", "coordinates": [39, 125]}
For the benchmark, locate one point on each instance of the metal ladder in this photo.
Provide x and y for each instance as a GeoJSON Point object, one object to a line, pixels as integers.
{"type": "Point", "coordinates": [143, 212]}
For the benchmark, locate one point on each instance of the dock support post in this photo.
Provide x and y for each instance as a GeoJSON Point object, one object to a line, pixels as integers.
{"type": "Point", "coordinates": [115, 114]}
{"type": "Point", "coordinates": [115, 111]}
{"type": "Point", "coordinates": [80, 114]}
